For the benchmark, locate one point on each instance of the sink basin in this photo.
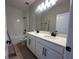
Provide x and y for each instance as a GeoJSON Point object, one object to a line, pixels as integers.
{"type": "Point", "coordinates": [49, 37]}
{"type": "Point", "coordinates": [42, 34]}
{"type": "Point", "coordinates": [52, 37]}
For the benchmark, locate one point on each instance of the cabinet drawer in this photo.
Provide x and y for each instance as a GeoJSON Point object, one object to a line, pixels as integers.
{"type": "Point", "coordinates": [52, 46]}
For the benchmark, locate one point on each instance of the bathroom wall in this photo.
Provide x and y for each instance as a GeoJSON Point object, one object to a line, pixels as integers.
{"type": "Point", "coordinates": [47, 19]}
{"type": "Point", "coordinates": [15, 28]}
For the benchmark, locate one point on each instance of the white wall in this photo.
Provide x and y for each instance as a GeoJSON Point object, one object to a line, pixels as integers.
{"type": "Point", "coordinates": [15, 29]}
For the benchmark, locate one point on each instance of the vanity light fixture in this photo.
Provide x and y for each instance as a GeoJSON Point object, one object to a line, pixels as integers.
{"type": "Point", "coordinates": [45, 5]}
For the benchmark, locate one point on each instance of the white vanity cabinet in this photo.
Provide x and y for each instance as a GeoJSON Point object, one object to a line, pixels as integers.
{"type": "Point", "coordinates": [44, 52]}
{"type": "Point", "coordinates": [44, 49]}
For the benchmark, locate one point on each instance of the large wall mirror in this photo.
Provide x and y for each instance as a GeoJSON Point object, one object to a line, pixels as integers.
{"type": "Point", "coordinates": [48, 19]}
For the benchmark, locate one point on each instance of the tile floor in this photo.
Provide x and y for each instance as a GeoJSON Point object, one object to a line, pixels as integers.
{"type": "Point", "coordinates": [22, 52]}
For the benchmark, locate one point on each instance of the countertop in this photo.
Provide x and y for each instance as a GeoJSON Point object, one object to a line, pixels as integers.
{"type": "Point", "coordinates": [59, 40]}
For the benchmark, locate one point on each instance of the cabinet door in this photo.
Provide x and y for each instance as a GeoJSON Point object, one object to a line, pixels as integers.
{"type": "Point", "coordinates": [50, 54]}
{"type": "Point", "coordinates": [31, 44]}
{"type": "Point", "coordinates": [43, 52]}
{"type": "Point", "coordinates": [39, 50]}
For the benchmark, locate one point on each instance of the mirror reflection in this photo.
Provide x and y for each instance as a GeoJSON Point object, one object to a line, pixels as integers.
{"type": "Point", "coordinates": [53, 19]}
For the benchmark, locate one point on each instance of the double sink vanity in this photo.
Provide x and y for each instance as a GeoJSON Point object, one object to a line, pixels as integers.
{"type": "Point", "coordinates": [45, 46]}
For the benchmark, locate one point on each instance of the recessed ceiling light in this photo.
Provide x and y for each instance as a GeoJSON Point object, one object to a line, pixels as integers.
{"type": "Point", "coordinates": [18, 20]}
{"type": "Point", "coordinates": [27, 3]}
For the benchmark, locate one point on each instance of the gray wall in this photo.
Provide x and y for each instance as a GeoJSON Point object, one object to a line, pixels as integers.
{"type": "Point", "coordinates": [47, 19]}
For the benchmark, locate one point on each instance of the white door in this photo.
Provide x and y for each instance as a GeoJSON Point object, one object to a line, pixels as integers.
{"type": "Point", "coordinates": [69, 54]}
{"type": "Point", "coordinates": [6, 48]}
{"type": "Point", "coordinates": [15, 24]}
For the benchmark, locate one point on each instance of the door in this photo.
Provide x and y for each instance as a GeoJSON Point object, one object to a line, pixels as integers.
{"type": "Point", "coordinates": [28, 43]}
{"type": "Point", "coordinates": [15, 24]}
{"type": "Point", "coordinates": [6, 48]}
{"type": "Point", "coordinates": [69, 54]}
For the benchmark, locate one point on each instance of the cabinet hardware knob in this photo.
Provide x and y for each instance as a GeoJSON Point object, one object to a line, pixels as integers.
{"type": "Point", "coordinates": [8, 42]}
{"type": "Point", "coordinates": [43, 51]}
{"type": "Point", "coordinates": [68, 49]}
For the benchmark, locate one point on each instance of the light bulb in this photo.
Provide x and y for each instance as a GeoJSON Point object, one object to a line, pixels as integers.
{"type": "Point", "coordinates": [18, 20]}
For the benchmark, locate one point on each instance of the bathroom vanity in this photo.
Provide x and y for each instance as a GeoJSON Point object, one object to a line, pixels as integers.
{"type": "Point", "coordinates": [45, 46]}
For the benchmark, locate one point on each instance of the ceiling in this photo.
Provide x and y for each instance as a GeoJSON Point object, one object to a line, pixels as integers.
{"type": "Point", "coordinates": [19, 3]}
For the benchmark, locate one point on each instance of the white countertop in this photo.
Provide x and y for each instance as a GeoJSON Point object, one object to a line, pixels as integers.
{"type": "Point", "coordinates": [47, 36]}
